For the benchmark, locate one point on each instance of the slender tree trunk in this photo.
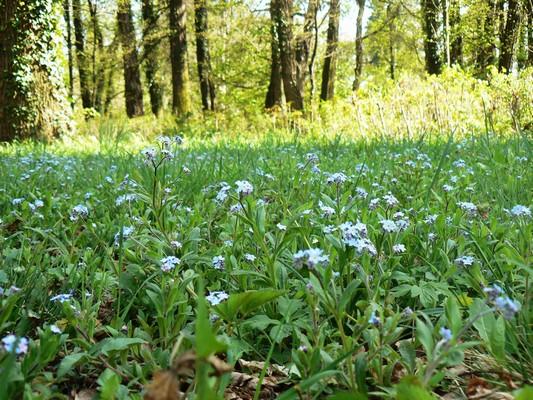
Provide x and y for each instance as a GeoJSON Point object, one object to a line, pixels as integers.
{"type": "Point", "coordinates": [456, 37]}
{"type": "Point", "coordinates": [303, 45]}
{"type": "Point", "coordinates": [207, 88]}
{"type": "Point", "coordinates": [68, 27]}
{"type": "Point", "coordinates": [293, 95]}
{"type": "Point", "coordinates": [486, 54]}
{"type": "Point", "coordinates": [327, 89]}
{"type": "Point", "coordinates": [529, 16]}
{"type": "Point", "coordinates": [178, 57]}
{"type": "Point", "coordinates": [509, 37]}
{"type": "Point", "coordinates": [359, 45]}
{"type": "Point", "coordinates": [151, 45]}
{"type": "Point", "coordinates": [133, 92]}
{"type": "Point", "coordinates": [392, 51]}
{"type": "Point", "coordinates": [110, 77]}
{"type": "Point", "coordinates": [274, 92]}
{"type": "Point", "coordinates": [79, 43]}
{"type": "Point", "coordinates": [430, 11]}
{"type": "Point", "coordinates": [98, 67]}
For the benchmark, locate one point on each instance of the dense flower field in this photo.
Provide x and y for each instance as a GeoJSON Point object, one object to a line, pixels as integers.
{"type": "Point", "coordinates": [281, 270]}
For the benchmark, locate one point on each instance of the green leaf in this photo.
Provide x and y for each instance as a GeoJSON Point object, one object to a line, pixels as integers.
{"type": "Point", "coordinates": [424, 334]}
{"type": "Point", "coordinates": [453, 314]}
{"type": "Point", "coordinates": [408, 389]}
{"type": "Point", "coordinates": [109, 383]}
{"type": "Point", "coordinates": [246, 302]}
{"type": "Point", "coordinates": [206, 341]}
{"type": "Point", "coordinates": [68, 363]}
{"type": "Point", "coordinates": [115, 344]}
{"type": "Point", "coordinates": [526, 393]}
{"type": "Point", "coordinates": [348, 396]}
{"type": "Point", "coordinates": [408, 353]}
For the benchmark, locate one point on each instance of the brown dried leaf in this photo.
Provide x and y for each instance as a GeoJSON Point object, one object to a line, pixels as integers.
{"type": "Point", "coordinates": [220, 367]}
{"type": "Point", "coordinates": [257, 366]}
{"type": "Point", "coordinates": [84, 394]}
{"type": "Point", "coordinates": [164, 386]}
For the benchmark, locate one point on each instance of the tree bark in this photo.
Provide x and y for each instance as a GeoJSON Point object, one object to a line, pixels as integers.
{"type": "Point", "coordinates": [68, 27]}
{"type": "Point", "coordinates": [178, 57]}
{"type": "Point", "coordinates": [32, 95]}
{"type": "Point", "coordinates": [430, 11]}
{"type": "Point", "coordinates": [274, 92]}
{"type": "Point", "coordinates": [151, 45]}
{"type": "Point", "coordinates": [327, 89]}
{"type": "Point", "coordinates": [303, 45]}
{"type": "Point", "coordinates": [456, 45]}
{"type": "Point", "coordinates": [359, 46]}
{"type": "Point", "coordinates": [133, 92]}
{"type": "Point", "coordinates": [485, 55]}
{"type": "Point", "coordinates": [392, 50]}
{"type": "Point", "coordinates": [79, 43]}
{"type": "Point", "coordinates": [509, 37]}
{"type": "Point", "coordinates": [283, 17]}
{"type": "Point", "coordinates": [98, 65]}
{"type": "Point", "coordinates": [207, 88]}
{"type": "Point", "coordinates": [529, 16]}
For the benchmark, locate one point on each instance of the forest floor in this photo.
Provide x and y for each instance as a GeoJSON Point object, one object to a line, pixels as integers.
{"type": "Point", "coordinates": [341, 269]}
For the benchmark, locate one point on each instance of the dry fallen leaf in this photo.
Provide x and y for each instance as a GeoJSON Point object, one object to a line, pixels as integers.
{"type": "Point", "coordinates": [164, 386]}
{"type": "Point", "coordinates": [85, 394]}
{"type": "Point", "coordinates": [257, 366]}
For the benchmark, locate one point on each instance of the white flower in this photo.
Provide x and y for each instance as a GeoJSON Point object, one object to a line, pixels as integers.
{"type": "Point", "coordinates": [126, 232]}
{"type": "Point", "coordinates": [281, 227]}
{"type": "Point", "coordinates": [55, 329]}
{"type": "Point", "coordinates": [244, 188]}
{"type": "Point", "coordinates": [389, 226]}
{"type": "Point", "coordinates": [362, 245]}
{"type": "Point", "coordinates": [10, 341]}
{"type": "Point", "coordinates": [310, 257]}
{"type": "Point", "coordinates": [176, 245]}
{"type": "Point", "coordinates": [430, 219]}
{"type": "Point", "coordinates": [337, 177]}
{"type": "Point", "coordinates": [326, 210]}
{"type": "Point", "coordinates": [373, 204]}
{"type": "Point", "coordinates": [79, 211]}
{"type": "Point", "coordinates": [217, 297]}
{"type": "Point", "coordinates": [465, 261]}
{"type": "Point", "coordinates": [398, 248]}
{"type": "Point", "coordinates": [390, 200]}
{"type": "Point", "coordinates": [218, 262]}
{"type": "Point", "coordinates": [169, 263]}
{"type": "Point", "coordinates": [520, 211]}
{"type": "Point", "coordinates": [249, 257]}
{"type": "Point", "coordinates": [469, 208]}
{"type": "Point", "coordinates": [361, 193]}
{"type": "Point", "coordinates": [149, 154]}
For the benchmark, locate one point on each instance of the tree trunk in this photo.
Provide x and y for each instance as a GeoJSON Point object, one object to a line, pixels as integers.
{"type": "Point", "coordinates": [283, 14]}
{"type": "Point", "coordinates": [68, 27]}
{"type": "Point", "coordinates": [509, 37]}
{"type": "Point", "coordinates": [430, 11]}
{"type": "Point", "coordinates": [98, 67]}
{"type": "Point", "coordinates": [392, 51]}
{"type": "Point", "coordinates": [133, 92]}
{"type": "Point", "coordinates": [359, 46]}
{"type": "Point", "coordinates": [303, 45]}
{"type": "Point", "coordinates": [274, 93]}
{"type": "Point", "coordinates": [32, 96]}
{"type": "Point", "coordinates": [529, 13]}
{"type": "Point", "coordinates": [485, 55]}
{"type": "Point", "coordinates": [178, 57]}
{"type": "Point", "coordinates": [207, 88]}
{"type": "Point", "coordinates": [327, 89]}
{"type": "Point", "coordinates": [81, 59]}
{"type": "Point", "coordinates": [155, 88]}
{"type": "Point", "coordinates": [456, 45]}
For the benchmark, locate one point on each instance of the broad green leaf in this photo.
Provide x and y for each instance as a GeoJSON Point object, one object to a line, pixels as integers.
{"type": "Point", "coordinates": [68, 363]}
{"type": "Point", "coordinates": [246, 302]}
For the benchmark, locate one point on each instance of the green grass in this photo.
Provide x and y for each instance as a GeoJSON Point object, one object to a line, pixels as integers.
{"type": "Point", "coordinates": [348, 324]}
